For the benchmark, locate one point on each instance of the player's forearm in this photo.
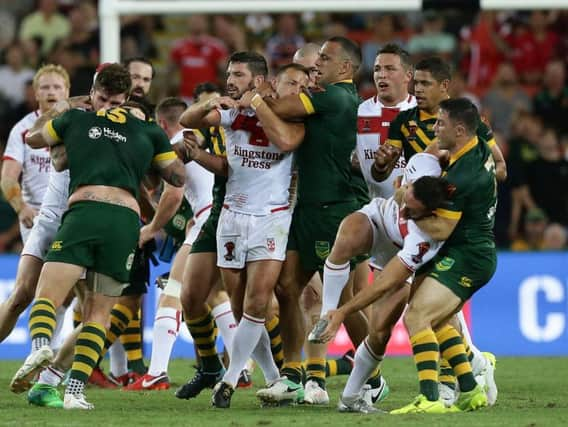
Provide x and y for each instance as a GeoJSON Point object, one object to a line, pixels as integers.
{"type": "Point", "coordinates": [436, 227]}
{"type": "Point", "coordinates": [194, 116]}
{"type": "Point", "coordinates": [287, 108]}
{"type": "Point", "coordinates": [35, 136]}
{"type": "Point", "coordinates": [12, 193]}
{"type": "Point", "coordinates": [169, 203]}
{"type": "Point", "coordinates": [174, 173]}
{"type": "Point", "coordinates": [216, 164]}
{"type": "Point", "coordinates": [286, 136]}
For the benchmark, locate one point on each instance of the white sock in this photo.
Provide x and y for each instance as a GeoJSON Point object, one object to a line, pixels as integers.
{"type": "Point", "coordinates": [478, 362]}
{"type": "Point", "coordinates": [118, 362]}
{"type": "Point", "coordinates": [223, 315]}
{"type": "Point", "coordinates": [51, 376]}
{"type": "Point", "coordinates": [245, 341]}
{"type": "Point", "coordinates": [335, 278]}
{"type": "Point", "coordinates": [166, 329]}
{"type": "Point", "coordinates": [59, 319]}
{"type": "Point", "coordinates": [263, 357]}
{"type": "Point", "coordinates": [364, 364]}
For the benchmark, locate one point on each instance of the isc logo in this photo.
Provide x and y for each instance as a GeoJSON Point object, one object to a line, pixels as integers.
{"type": "Point", "coordinates": [541, 317]}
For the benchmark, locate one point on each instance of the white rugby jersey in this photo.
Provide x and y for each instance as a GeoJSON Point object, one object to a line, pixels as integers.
{"type": "Point", "coordinates": [416, 246]}
{"type": "Point", "coordinates": [36, 163]}
{"type": "Point", "coordinates": [54, 202]}
{"type": "Point", "coordinates": [198, 183]}
{"type": "Point", "coordinates": [373, 121]}
{"type": "Point", "coordinates": [259, 172]}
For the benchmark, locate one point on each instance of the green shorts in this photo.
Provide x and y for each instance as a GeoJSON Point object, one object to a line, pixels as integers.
{"type": "Point", "coordinates": [464, 269]}
{"type": "Point", "coordinates": [98, 236]}
{"type": "Point", "coordinates": [207, 239]}
{"type": "Point", "coordinates": [313, 231]}
{"type": "Point", "coordinates": [140, 271]}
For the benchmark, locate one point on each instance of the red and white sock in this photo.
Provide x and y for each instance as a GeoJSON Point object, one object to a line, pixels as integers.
{"type": "Point", "coordinates": [51, 376]}
{"type": "Point", "coordinates": [223, 315]}
{"type": "Point", "coordinates": [166, 330]}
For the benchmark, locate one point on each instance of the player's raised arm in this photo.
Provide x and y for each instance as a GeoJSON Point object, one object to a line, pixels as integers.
{"type": "Point", "coordinates": [385, 160]}
{"type": "Point", "coordinates": [500, 164]}
{"type": "Point", "coordinates": [216, 164]}
{"type": "Point", "coordinates": [204, 114]}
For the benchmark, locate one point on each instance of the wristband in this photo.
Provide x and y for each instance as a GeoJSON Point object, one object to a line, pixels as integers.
{"type": "Point", "coordinates": [256, 101]}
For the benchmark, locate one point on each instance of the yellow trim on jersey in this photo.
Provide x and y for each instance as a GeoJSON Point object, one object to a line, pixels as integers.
{"type": "Point", "coordinates": [394, 142]}
{"type": "Point", "coordinates": [51, 131]}
{"type": "Point", "coordinates": [169, 155]}
{"type": "Point", "coordinates": [344, 81]}
{"type": "Point", "coordinates": [307, 103]}
{"type": "Point", "coordinates": [423, 115]}
{"type": "Point", "coordinates": [467, 147]}
{"type": "Point", "coordinates": [423, 137]}
{"type": "Point", "coordinates": [216, 146]}
{"type": "Point", "coordinates": [444, 213]}
{"type": "Point", "coordinates": [491, 143]}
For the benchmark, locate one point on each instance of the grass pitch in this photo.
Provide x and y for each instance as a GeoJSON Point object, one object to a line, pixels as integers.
{"type": "Point", "coordinates": [532, 392]}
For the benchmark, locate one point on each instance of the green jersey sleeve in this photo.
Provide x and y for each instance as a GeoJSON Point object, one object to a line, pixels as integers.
{"type": "Point", "coordinates": [58, 126]}
{"type": "Point", "coordinates": [485, 133]}
{"type": "Point", "coordinates": [321, 100]}
{"type": "Point", "coordinates": [162, 146]}
{"type": "Point", "coordinates": [396, 135]}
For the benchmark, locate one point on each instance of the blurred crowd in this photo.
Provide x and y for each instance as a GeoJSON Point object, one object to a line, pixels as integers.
{"type": "Point", "coordinates": [511, 64]}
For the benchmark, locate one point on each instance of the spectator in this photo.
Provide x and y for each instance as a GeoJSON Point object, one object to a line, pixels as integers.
{"type": "Point", "coordinates": [232, 34]}
{"type": "Point", "coordinates": [483, 47]}
{"type": "Point", "coordinates": [432, 40]}
{"type": "Point", "coordinates": [83, 38]}
{"type": "Point", "coordinates": [551, 103]}
{"type": "Point", "coordinates": [555, 237]}
{"type": "Point", "coordinates": [47, 24]}
{"type": "Point", "coordinates": [199, 57]}
{"type": "Point", "coordinates": [535, 224]}
{"type": "Point", "coordinates": [280, 47]}
{"type": "Point", "coordinates": [504, 99]}
{"type": "Point", "coordinates": [533, 47]}
{"type": "Point", "coordinates": [547, 178]}
{"type": "Point", "coordinates": [383, 32]}
{"type": "Point", "coordinates": [14, 75]}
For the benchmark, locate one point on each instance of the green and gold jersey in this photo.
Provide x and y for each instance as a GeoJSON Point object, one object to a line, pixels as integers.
{"type": "Point", "coordinates": [413, 130]}
{"type": "Point", "coordinates": [214, 142]}
{"type": "Point", "coordinates": [360, 188]}
{"type": "Point", "coordinates": [109, 147]}
{"type": "Point", "coordinates": [473, 195]}
{"type": "Point", "coordinates": [324, 158]}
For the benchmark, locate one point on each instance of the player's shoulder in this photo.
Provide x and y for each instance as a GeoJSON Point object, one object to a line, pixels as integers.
{"type": "Point", "coordinates": [27, 121]}
{"type": "Point", "coordinates": [406, 115]}
{"type": "Point", "coordinates": [369, 106]}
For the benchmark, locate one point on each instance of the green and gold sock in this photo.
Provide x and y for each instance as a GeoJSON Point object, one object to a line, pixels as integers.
{"type": "Point", "coordinates": [42, 322]}
{"type": "Point", "coordinates": [88, 348]}
{"type": "Point", "coordinates": [453, 350]}
{"type": "Point", "coordinates": [273, 329]}
{"type": "Point", "coordinates": [426, 353]}
{"type": "Point", "coordinates": [341, 366]}
{"type": "Point", "coordinates": [131, 339]}
{"type": "Point", "coordinates": [447, 376]}
{"type": "Point", "coordinates": [293, 371]}
{"type": "Point", "coordinates": [202, 329]}
{"type": "Point", "coordinates": [315, 370]}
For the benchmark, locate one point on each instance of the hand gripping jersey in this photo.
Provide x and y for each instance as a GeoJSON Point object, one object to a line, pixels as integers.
{"type": "Point", "coordinates": [36, 163]}
{"type": "Point", "coordinates": [373, 121]}
{"type": "Point", "coordinates": [259, 172]}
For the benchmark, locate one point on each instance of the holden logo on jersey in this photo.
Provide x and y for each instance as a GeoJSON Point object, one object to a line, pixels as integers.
{"type": "Point", "coordinates": [271, 244]}
{"type": "Point", "coordinates": [230, 248]}
{"type": "Point", "coordinates": [95, 132]}
{"type": "Point", "coordinates": [423, 247]}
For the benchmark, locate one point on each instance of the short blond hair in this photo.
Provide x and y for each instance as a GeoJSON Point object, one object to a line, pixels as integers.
{"type": "Point", "coordinates": [52, 68]}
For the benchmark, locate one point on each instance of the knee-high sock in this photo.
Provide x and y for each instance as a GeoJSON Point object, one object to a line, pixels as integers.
{"type": "Point", "coordinates": [426, 354]}
{"type": "Point", "coordinates": [335, 277]}
{"type": "Point", "coordinates": [273, 329]}
{"type": "Point", "coordinates": [365, 364]}
{"type": "Point", "coordinates": [263, 357]}
{"type": "Point", "coordinates": [59, 323]}
{"type": "Point", "coordinates": [453, 350]}
{"type": "Point", "coordinates": [166, 329]}
{"type": "Point", "coordinates": [225, 321]}
{"type": "Point", "coordinates": [315, 370]}
{"type": "Point", "coordinates": [42, 322]}
{"type": "Point", "coordinates": [202, 329]}
{"type": "Point", "coordinates": [246, 339]}
{"type": "Point", "coordinates": [88, 348]}
{"type": "Point", "coordinates": [131, 339]}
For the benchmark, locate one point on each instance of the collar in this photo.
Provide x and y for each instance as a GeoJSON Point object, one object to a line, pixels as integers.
{"type": "Point", "coordinates": [423, 115]}
{"type": "Point", "coordinates": [462, 151]}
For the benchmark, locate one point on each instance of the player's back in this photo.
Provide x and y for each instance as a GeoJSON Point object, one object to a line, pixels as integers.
{"type": "Point", "coordinates": [324, 158]}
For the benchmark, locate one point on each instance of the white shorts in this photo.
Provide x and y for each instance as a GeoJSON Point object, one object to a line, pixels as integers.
{"type": "Point", "coordinates": [41, 236]}
{"type": "Point", "coordinates": [25, 231]}
{"type": "Point", "coordinates": [198, 220]}
{"type": "Point", "coordinates": [242, 238]}
{"type": "Point", "coordinates": [383, 249]}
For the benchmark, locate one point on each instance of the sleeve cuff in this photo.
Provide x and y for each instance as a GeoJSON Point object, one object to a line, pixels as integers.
{"type": "Point", "coordinates": [308, 106]}
{"type": "Point", "coordinates": [51, 131]}
{"type": "Point", "coordinates": [444, 213]}
{"type": "Point", "coordinates": [169, 155]}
